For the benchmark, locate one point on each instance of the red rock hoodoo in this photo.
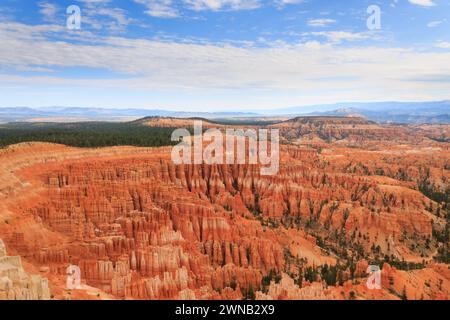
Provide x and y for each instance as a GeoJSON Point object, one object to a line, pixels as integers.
{"type": "Point", "coordinates": [140, 227]}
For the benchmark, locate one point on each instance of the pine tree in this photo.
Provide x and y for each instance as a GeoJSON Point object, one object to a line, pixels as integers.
{"type": "Point", "coordinates": [404, 296]}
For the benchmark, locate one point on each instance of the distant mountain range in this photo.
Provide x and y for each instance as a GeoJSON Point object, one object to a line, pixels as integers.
{"type": "Point", "coordinates": [70, 114]}
{"type": "Point", "coordinates": [388, 116]}
{"type": "Point", "coordinates": [381, 112]}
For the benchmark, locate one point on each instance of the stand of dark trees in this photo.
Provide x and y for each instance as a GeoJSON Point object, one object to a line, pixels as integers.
{"type": "Point", "coordinates": [86, 134]}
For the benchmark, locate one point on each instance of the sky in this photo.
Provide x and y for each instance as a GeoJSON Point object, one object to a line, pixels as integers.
{"type": "Point", "coordinates": [222, 55]}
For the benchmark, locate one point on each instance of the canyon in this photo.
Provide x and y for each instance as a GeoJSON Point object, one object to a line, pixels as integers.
{"type": "Point", "coordinates": [349, 193]}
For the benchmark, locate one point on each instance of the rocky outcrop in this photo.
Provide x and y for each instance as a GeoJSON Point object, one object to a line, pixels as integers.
{"type": "Point", "coordinates": [353, 131]}
{"type": "Point", "coordinates": [16, 284]}
{"type": "Point", "coordinates": [140, 227]}
{"type": "Point", "coordinates": [286, 289]}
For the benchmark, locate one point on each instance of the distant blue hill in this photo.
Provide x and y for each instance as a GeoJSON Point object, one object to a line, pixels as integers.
{"type": "Point", "coordinates": [400, 107]}
{"type": "Point", "coordinates": [381, 112]}
{"type": "Point", "coordinates": [102, 114]}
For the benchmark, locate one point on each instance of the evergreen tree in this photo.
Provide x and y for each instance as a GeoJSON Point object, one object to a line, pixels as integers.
{"type": "Point", "coordinates": [404, 296]}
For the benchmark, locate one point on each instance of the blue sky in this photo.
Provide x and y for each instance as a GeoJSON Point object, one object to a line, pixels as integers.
{"type": "Point", "coordinates": [211, 55]}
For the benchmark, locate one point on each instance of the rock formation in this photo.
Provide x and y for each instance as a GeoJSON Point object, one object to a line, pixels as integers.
{"type": "Point", "coordinates": [139, 226]}
{"type": "Point", "coordinates": [16, 284]}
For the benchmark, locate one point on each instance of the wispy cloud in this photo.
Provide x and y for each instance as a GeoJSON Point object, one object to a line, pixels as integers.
{"type": "Point", "coordinates": [48, 10]}
{"type": "Point", "coordinates": [320, 22]}
{"type": "Point", "coordinates": [339, 36]}
{"type": "Point", "coordinates": [205, 66]}
{"type": "Point", "coordinates": [215, 5]}
{"type": "Point", "coordinates": [443, 45]}
{"type": "Point", "coordinates": [159, 8]}
{"type": "Point", "coordinates": [172, 9]}
{"type": "Point", "coordinates": [286, 2]}
{"type": "Point", "coordinates": [101, 14]}
{"type": "Point", "coordinates": [423, 3]}
{"type": "Point", "coordinates": [95, 1]}
{"type": "Point", "coordinates": [335, 63]}
{"type": "Point", "coordinates": [433, 24]}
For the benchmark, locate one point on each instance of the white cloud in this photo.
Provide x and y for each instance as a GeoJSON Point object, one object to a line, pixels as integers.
{"type": "Point", "coordinates": [423, 3]}
{"type": "Point", "coordinates": [285, 2]}
{"type": "Point", "coordinates": [394, 4]}
{"type": "Point", "coordinates": [169, 8]}
{"type": "Point", "coordinates": [48, 10]}
{"type": "Point", "coordinates": [310, 69]}
{"type": "Point", "coordinates": [433, 24]}
{"type": "Point", "coordinates": [320, 22]}
{"type": "Point", "coordinates": [339, 36]}
{"type": "Point", "coordinates": [159, 8]}
{"type": "Point", "coordinates": [443, 45]}
{"type": "Point", "coordinates": [118, 16]}
{"type": "Point", "coordinates": [99, 14]}
{"type": "Point", "coordinates": [93, 2]}
{"type": "Point", "coordinates": [216, 5]}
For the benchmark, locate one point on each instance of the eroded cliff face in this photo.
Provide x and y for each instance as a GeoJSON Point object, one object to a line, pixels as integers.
{"type": "Point", "coordinates": [149, 229]}
{"type": "Point", "coordinates": [353, 131]}
{"type": "Point", "coordinates": [16, 284]}
{"type": "Point", "coordinates": [139, 226]}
